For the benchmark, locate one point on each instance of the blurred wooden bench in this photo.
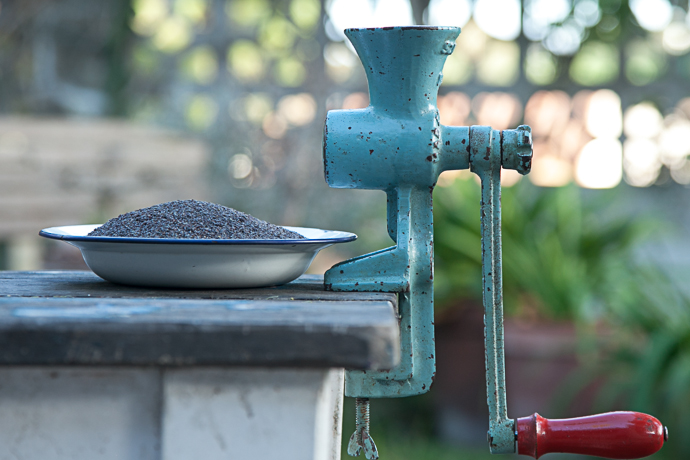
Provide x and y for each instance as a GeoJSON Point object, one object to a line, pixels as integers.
{"type": "Point", "coordinates": [63, 171]}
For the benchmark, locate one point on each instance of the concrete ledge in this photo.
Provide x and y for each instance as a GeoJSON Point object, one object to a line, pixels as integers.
{"type": "Point", "coordinates": [123, 413]}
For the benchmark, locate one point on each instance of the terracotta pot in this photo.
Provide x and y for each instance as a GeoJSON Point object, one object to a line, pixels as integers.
{"type": "Point", "coordinates": [540, 356]}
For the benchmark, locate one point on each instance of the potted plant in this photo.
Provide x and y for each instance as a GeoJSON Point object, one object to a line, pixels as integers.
{"type": "Point", "coordinates": [564, 250]}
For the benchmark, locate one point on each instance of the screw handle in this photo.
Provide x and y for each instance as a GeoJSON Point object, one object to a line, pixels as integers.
{"type": "Point", "coordinates": [618, 435]}
{"type": "Point", "coordinates": [361, 439]}
{"type": "Point", "coordinates": [516, 149]}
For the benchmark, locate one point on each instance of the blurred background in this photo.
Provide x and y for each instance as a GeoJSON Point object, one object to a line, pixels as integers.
{"type": "Point", "coordinates": [110, 106]}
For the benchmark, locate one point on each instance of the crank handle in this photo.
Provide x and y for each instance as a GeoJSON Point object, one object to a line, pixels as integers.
{"type": "Point", "coordinates": [618, 435]}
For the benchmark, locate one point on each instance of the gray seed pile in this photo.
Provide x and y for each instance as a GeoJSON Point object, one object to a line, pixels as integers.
{"type": "Point", "coordinates": [191, 219]}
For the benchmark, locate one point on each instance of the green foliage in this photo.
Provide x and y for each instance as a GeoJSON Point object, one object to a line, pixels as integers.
{"type": "Point", "coordinates": [557, 248]}
{"type": "Point", "coordinates": [393, 448]}
{"type": "Point", "coordinates": [403, 430]}
{"type": "Point", "coordinates": [649, 368]}
{"type": "Point", "coordinates": [569, 254]}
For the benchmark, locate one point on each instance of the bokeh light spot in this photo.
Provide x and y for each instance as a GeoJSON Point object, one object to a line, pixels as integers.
{"type": "Point", "coordinates": [681, 173]}
{"type": "Point", "coordinates": [539, 15]}
{"type": "Point", "coordinates": [448, 12]}
{"type": "Point", "coordinates": [245, 60]}
{"type": "Point", "coordinates": [457, 69]}
{"type": "Point", "coordinates": [600, 164]}
{"type": "Point", "coordinates": [289, 72]}
{"type": "Point", "coordinates": [549, 170]}
{"type": "Point", "coordinates": [201, 65]}
{"type": "Point", "coordinates": [248, 13]}
{"type": "Point", "coordinates": [674, 141]}
{"type": "Point", "coordinates": [652, 15]}
{"type": "Point", "coordinates": [498, 18]}
{"type": "Point", "coordinates": [564, 40]}
{"type": "Point", "coordinates": [340, 62]}
{"type": "Point", "coordinates": [472, 41]}
{"type": "Point", "coordinates": [343, 14]}
{"type": "Point", "coordinates": [540, 65]}
{"type": "Point", "coordinates": [298, 109]}
{"type": "Point", "coordinates": [500, 65]}
{"type": "Point", "coordinates": [277, 34]}
{"type": "Point", "coordinates": [305, 13]}
{"type": "Point", "coordinates": [641, 162]}
{"type": "Point", "coordinates": [454, 108]}
{"type": "Point", "coordinates": [547, 112]}
{"type": "Point", "coordinates": [240, 166]}
{"type": "Point", "coordinates": [148, 16]}
{"type": "Point", "coordinates": [676, 39]}
{"type": "Point", "coordinates": [356, 101]}
{"type": "Point", "coordinates": [257, 106]}
{"type": "Point", "coordinates": [173, 35]}
{"type": "Point", "coordinates": [642, 121]}
{"type": "Point", "coordinates": [192, 10]}
{"type": "Point", "coordinates": [603, 116]}
{"type": "Point", "coordinates": [274, 125]}
{"type": "Point", "coordinates": [595, 64]}
{"type": "Point", "coordinates": [509, 177]}
{"type": "Point", "coordinates": [644, 62]}
{"type": "Point", "coordinates": [202, 111]}
{"type": "Point", "coordinates": [498, 110]}
{"type": "Point", "coordinates": [587, 12]}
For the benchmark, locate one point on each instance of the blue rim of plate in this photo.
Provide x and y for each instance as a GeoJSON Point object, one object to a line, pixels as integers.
{"type": "Point", "coordinates": [347, 237]}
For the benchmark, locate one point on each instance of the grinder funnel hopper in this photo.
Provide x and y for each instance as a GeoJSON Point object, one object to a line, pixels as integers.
{"type": "Point", "coordinates": [405, 63]}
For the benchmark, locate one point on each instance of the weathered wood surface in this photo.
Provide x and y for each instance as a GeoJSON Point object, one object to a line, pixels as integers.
{"type": "Point", "coordinates": [76, 318]}
{"type": "Point", "coordinates": [77, 283]}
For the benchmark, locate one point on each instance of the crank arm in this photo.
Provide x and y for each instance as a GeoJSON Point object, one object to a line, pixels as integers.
{"type": "Point", "coordinates": [489, 151]}
{"type": "Point", "coordinates": [616, 435]}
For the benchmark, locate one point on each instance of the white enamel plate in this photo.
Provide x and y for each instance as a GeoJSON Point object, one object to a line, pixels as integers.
{"type": "Point", "coordinates": [185, 263]}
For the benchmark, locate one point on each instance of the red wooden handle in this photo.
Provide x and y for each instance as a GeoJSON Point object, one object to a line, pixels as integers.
{"type": "Point", "coordinates": [621, 435]}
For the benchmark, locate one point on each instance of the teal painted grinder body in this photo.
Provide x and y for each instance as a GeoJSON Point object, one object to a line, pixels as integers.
{"type": "Point", "coordinates": [397, 140]}
{"type": "Point", "coordinates": [398, 145]}
{"type": "Point", "coordinates": [395, 145]}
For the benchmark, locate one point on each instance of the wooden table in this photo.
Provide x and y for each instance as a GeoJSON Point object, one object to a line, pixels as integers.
{"type": "Point", "coordinates": [93, 370]}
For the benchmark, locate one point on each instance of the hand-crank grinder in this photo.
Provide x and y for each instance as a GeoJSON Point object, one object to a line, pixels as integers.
{"type": "Point", "coordinates": [398, 145]}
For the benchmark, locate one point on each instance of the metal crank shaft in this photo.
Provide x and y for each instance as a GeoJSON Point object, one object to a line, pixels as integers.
{"type": "Point", "coordinates": [486, 161]}
{"type": "Point", "coordinates": [617, 435]}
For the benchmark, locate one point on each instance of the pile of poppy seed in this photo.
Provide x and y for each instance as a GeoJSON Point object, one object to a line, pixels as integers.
{"type": "Point", "coordinates": [192, 219]}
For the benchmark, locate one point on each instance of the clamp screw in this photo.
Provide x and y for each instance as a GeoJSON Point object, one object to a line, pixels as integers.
{"type": "Point", "coordinates": [361, 437]}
